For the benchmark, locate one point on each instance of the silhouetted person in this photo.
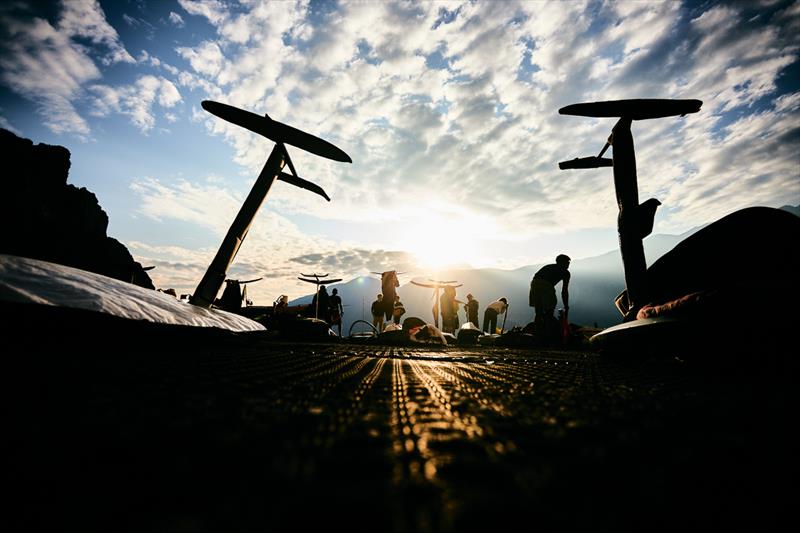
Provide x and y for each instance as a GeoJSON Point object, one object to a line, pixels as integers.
{"type": "Point", "coordinates": [398, 310]}
{"type": "Point", "coordinates": [471, 308]}
{"type": "Point", "coordinates": [497, 307]}
{"type": "Point", "coordinates": [449, 310]}
{"type": "Point", "coordinates": [323, 310]}
{"type": "Point", "coordinates": [377, 313]}
{"type": "Point", "coordinates": [336, 310]}
{"type": "Point", "coordinates": [543, 290]}
{"type": "Point", "coordinates": [281, 304]}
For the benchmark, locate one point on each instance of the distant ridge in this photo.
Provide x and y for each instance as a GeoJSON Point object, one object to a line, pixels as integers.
{"type": "Point", "coordinates": [795, 210]}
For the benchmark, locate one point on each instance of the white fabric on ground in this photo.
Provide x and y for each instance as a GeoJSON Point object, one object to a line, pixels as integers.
{"type": "Point", "coordinates": [26, 280]}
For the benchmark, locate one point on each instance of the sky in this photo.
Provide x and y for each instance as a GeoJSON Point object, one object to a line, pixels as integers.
{"type": "Point", "coordinates": [449, 111]}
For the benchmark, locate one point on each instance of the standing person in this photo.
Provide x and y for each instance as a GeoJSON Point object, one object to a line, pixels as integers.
{"type": "Point", "coordinates": [336, 310]}
{"type": "Point", "coordinates": [398, 310]}
{"type": "Point", "coordinates": [471, 308]}
{"type": "Point", "coordinates": [321, 304]}
{"type": "Point", "coordinates": [543, 291]}
{"type": "Point", "coordinates": [449, 310]}
{"type": "Point", "coordinates": [377, 313]}
{"type": "Point", "coordinates": [497, 307]}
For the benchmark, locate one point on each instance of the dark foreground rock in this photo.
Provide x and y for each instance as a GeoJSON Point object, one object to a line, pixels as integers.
{"type": "Point", "coordinates": [45, 218]}
{"type": "Point", "coordinates": [179, 429]}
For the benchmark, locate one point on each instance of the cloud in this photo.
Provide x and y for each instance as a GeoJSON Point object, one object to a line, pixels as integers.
{"type": "Point", "coordinates": [476, 136]}
{"type": "Point", "coordinates": [136, 100]}
{"type": "Point", "coordinates": [213, 10]}
{"type": "Point", "coordinates": [86, 19]}
{"type": "Point", "coordinates": [5, 124]}
{"type": "Point", "coordinates": [449, 110]}
{"type": "Point", "coordinates": [40, 63]}
{"type": "Point", "coordinates": [274, 247]}
{"type": "Point", "coordinates": [205, 59]}
{"type": "Point", "coordinates": [358, 261]}
{"type": "Point", "coordinates": [176, 19]}
{"type": "Point", "coordinates": [47, 65]}
{"type": "Point", "coordinates": [146, 59]}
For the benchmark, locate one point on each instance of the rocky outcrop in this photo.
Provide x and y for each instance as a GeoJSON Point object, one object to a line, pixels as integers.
{"type": "Point", "coordinates": [43, 217]}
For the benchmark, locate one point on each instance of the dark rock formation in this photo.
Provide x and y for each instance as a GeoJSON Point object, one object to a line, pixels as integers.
{"type": "Point", "coordinates": [45, 218]}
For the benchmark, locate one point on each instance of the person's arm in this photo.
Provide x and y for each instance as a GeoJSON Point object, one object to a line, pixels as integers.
{"type": "Point", "coordinates": [565, 294]}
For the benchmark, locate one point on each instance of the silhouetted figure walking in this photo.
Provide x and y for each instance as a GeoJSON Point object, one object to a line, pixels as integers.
{"type": "Point", "coordinates": [471, 308]}
{"type": "Point", "coordinates": [543, 291]}
{"type": "Point", "coordinates": [497, 307]}
{"type": "Point", "coordinates": [336, 310]}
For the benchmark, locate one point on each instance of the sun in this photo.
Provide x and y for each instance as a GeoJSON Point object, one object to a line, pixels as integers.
{"type": "Point", "coordinates": [439, 242]}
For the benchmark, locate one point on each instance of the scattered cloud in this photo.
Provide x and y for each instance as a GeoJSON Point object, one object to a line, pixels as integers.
{"type": "Point", "coordinates": [275, 247]}
{"type": "Point", "coordinates": [5, 124]}
{"type": "Point", "coordinates": [136, 100]}
{"type": "Point", "coordinates": [213, 10]}
{"type": "Point", "coordinates": [206, 59]}
{"type": "Point", "coordinates": [176, 19]}
{"type": "Point", "coordinates": [86, 19]}
{"type": "Point", "coordinates": [476, 138]}
{"type": "Point", "coordinates": [449, 110]}
{"type": "Point", "coordinates": [48, 65]}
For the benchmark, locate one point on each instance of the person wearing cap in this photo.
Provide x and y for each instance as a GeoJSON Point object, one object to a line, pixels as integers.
{"type": "Point", "coordinates": [543, 289]}
{"type": "Point", "coordinates": [497, 307]}
{"type": "Point", "coordinates": [471, 308]}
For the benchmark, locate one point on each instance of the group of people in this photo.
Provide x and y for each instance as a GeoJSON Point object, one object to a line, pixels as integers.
{"type": "Point", "coordinates": [449, 312]}
{"type": "Point", "coordinates": [327, 307]}
{"type": "Point", "coordinates": [542, 298]}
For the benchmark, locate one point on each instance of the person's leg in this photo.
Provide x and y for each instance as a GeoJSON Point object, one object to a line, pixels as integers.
{"type": "Point", "coordinates": [486, 321]}
{"type": "Point", "coordinates": [549, 302]}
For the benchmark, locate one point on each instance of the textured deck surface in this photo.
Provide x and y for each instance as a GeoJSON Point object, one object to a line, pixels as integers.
{"type": "Point", "coordinates": [241, 436]}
